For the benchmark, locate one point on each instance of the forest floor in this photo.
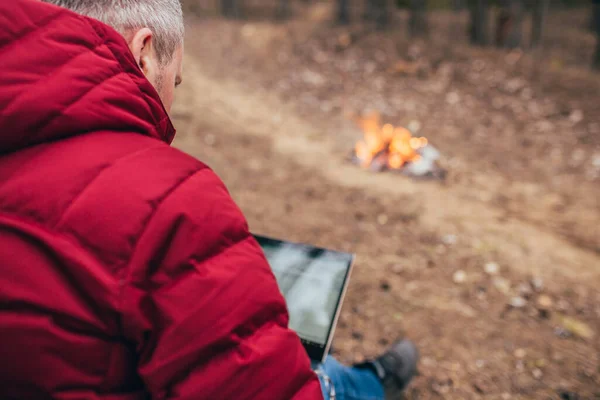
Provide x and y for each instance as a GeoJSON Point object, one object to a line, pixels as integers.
{"type": "Point", "coordinates": [493, 272]}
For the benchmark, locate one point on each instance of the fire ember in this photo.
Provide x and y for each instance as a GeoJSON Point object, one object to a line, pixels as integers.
{"type": "Point", "coordinates": [388, 147]}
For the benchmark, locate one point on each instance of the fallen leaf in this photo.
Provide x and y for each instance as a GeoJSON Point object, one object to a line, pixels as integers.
{"type": "Point", "coordinates": [576, 327]}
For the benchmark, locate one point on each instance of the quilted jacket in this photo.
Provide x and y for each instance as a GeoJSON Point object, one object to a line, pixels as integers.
{"type": "Point", "coordinates": [126, 270]}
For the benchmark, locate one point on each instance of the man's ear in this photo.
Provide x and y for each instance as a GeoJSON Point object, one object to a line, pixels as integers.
{"type": "Point", "coordinates": [141, 46]}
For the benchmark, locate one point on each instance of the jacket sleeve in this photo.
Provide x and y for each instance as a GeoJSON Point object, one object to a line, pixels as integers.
{"type": "Point", "coordinates": [203, 308]}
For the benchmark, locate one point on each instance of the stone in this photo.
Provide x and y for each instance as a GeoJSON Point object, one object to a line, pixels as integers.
{"type": "Point", "coordinates": [502, 284]}
{"type": "Point", "coordinates": [514, 85]}
{"type": "Point", "coordinates": [576, 116]}
{"type": "Point", "coordinates": [596, 160]}
{"type": "Point", "coordinates": [414, 126]}
{"type": "Point", "coordinates": [210, 139]}
{"type": "Point", "coordinates": [544, 302]}
{"type": "Point", "coordinates": [491, 268]}
{"type": "Point", "coordinates": [452, 98]}
{"type": "Point", "coordinates": [520, 353]}
{"type": "Point", "coordinates": [428, 362]}
{"type": "Point", "coordinates": [537, 284]}
{"type": "Point", "coordinates": [517, 302]}
{"type": "Point", "coordinates": [313, 78]}
{"type": "Point", "coordinates": [459, 276]}
{"type": "Point", "coordinates": [562, 305]}
{"type": "Point", "coordinates": [382, 219]}
{"type": "Point", "coordinates": [524, 290]}
{"type": "Point", "coordinates": [520, 366]}
{"type": "Point", "coordinates": [449, 239]}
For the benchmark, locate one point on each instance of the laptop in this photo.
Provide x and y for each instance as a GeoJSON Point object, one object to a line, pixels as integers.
{"type": "Point", "coordinates": [313, 282]}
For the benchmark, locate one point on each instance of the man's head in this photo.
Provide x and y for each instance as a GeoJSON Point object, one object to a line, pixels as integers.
{"type": "Point", "coordinates": [152, 28]}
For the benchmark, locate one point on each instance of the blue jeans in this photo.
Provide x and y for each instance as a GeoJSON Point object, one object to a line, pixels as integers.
{"type": "Point", "coordinates": [349, 383]}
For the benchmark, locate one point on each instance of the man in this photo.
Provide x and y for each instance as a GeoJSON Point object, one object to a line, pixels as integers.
{"type": "Point", "coordinates": [126, 270]}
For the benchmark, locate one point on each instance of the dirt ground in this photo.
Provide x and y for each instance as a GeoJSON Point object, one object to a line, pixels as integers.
{"type": "Point", "coordinates": [494, 272]}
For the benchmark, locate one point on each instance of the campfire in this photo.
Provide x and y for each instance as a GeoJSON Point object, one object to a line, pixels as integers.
{"type": "Point", "coordinates": [389, 147]}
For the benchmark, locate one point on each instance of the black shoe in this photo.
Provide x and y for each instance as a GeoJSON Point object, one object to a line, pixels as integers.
{"type": "Point", "coordinates": [396, 367]}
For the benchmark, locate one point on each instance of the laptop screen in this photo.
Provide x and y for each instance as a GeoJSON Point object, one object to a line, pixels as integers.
{"type": "Point", "coordinates": [313, 281]}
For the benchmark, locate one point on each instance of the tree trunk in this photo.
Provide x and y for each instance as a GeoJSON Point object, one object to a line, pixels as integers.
{"type": "Point", "coordinates": [283, 10]}
{"type": "Point", "coordinates": [478, 28]}
{"type": "Point", "coordinates": [368, 11]}
{"type": "Point", "coordinates": [509, 28]}
{"type": "Point", "coordinates": [457, 26]}
{"type": "Point", "coordinates": [418, 18]}
{"type": "Point", "coordinates": [515, 37]}
{"type": "Point", "coordinates": [596, 61]}
{"type": "Point", "coordinates": [540, 11]}
{"type": "Point", "coordinates": [381, 13]}
{"type": "Point", "coordinates": [458, 5]}
{"type": "Point", "coordinates": [230, 8]}
{"type": "Point", "coordinates": [343, 12]}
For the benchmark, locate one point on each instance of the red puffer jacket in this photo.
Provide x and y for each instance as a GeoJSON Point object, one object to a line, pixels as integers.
{"type": "Point", "coordinates": [126, 270]}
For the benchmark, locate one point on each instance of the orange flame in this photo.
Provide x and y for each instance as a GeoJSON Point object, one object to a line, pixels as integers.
{"type": "Point", "coordinates": [395, 144]}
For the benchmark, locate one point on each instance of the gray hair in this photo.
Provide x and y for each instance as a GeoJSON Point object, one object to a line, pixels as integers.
{"type": "Point", "coordinates": [163, 17]}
